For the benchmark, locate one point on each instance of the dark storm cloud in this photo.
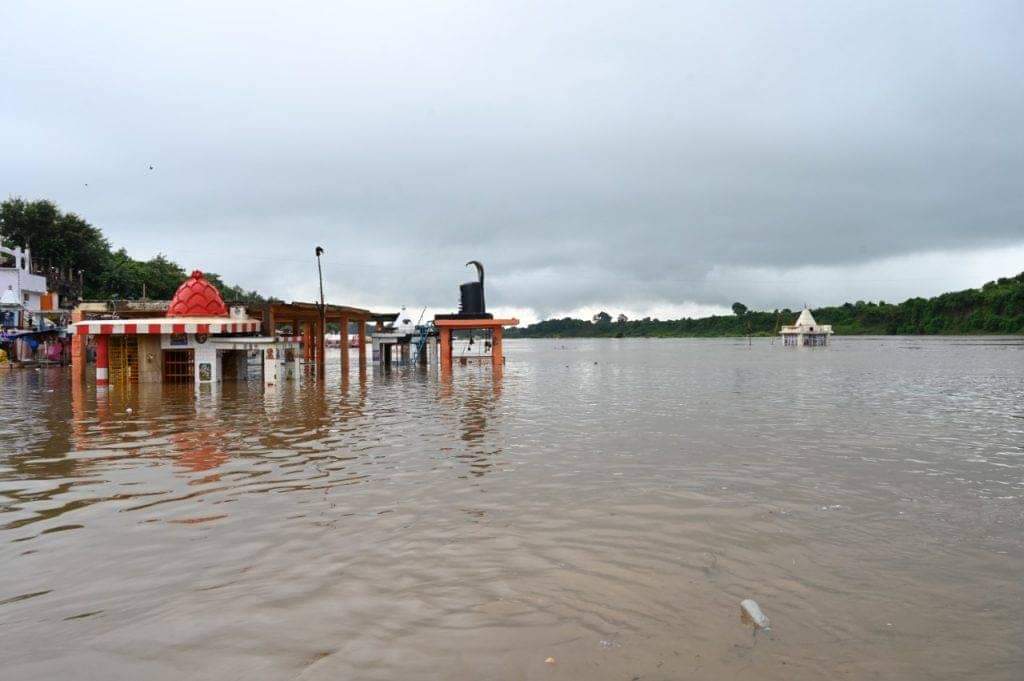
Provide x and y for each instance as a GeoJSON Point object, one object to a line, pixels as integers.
{"type": "Point", "coordinates": [589, 153]}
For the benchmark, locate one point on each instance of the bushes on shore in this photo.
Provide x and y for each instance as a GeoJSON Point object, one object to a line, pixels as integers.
{"type": "Point", "coordinates": [997, 307]}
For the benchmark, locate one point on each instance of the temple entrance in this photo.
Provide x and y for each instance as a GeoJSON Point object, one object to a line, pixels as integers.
{"type": "Point", "coordinates": [234, 365]}
{"type": "Point", "coordinates": [179, 366]}
{"type": "Point", "coordinates": [123, 355]}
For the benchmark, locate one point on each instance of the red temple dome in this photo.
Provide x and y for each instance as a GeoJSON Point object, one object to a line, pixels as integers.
{"type": "Point", "coordinates": [197, 298]}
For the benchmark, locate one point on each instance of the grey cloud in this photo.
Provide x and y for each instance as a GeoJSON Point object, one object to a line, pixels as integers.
{"type": "Point", "coordinates": [588, 152]}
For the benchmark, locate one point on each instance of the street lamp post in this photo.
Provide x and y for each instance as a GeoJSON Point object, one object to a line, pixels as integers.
{"type": "Point", "coordinates": [322, 331]}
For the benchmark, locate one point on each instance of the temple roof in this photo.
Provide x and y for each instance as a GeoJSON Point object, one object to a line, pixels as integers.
{"type": "Point", "coordinates": [805, 319]}
{"type": "Point", "coordinates": [197, 298]}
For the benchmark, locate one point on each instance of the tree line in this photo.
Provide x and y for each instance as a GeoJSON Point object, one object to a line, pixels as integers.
{"type": "Point", "coordinates": [66, 243]}
{"type": "Point", "coordinates": [996, 307]}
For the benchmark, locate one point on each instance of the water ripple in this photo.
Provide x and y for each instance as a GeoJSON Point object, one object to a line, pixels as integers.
{"type": "Point", "coordinates": [606, 503]}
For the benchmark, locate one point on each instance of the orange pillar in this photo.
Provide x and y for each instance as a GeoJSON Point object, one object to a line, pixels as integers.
{"type": "Point", "coordinates": [497, 357]}
{"type": "Point", "coordinates": [321, 347]}
{"type": "Point", "coordinates": [343, 344]}
{"type": "Point", "coordinates": [313, 350]}
{"type": "Point", "coordinates": [269, 323]}
{"type": "Point", "coordinates": [78, 343]}
{"type": "Point", "coordinates": [307, 341]}
{"type": "Point", "coordinates": [362, 345]}
{"type": "Point", "coordinates": [446, 349]}
{"type": "Point", "coordinates": [102, 365]}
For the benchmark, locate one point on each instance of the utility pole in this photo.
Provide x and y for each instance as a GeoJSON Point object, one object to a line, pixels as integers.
{"type": "Point", "coordinates": [320, 251]}
{"type": "Point", "coordinates": [322, 331]}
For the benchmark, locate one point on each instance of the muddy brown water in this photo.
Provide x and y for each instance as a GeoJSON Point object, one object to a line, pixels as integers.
{"type": "Point", "coordinates": [606, 504]}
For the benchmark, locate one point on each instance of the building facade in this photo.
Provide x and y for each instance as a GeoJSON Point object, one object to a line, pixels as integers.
{"type": "Point", "coordinates": [197, 341]}
{"type": "Point", "coordinates": [21, 291]}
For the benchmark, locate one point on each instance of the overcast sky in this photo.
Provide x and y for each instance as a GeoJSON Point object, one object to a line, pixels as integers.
{"type": "Point", "coordinates": [654, 158]}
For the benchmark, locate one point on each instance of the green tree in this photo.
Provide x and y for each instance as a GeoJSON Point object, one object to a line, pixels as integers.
{"type": "Point", "coordinates": [61, 240]}
{"type": "Point", "coordinates": [163, 277]}
{"type": "Point", "coordinates": [739, 309]}
{"type": "Point", "coordinates": [67, 242]}
{"type": "Point", "coordinates": [998, 307]}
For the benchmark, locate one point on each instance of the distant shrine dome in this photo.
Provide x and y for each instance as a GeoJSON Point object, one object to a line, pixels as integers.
{"type": "Point", "coordinates": [806, 332]}
{"type": "Point", "coordinates": [197, 298]}
{"type": "Point", "coordinates": [806, 319]}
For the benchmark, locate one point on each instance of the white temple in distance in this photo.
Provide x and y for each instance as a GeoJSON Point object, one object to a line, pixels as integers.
{"type": "Point", "coordinates": [806, 332]}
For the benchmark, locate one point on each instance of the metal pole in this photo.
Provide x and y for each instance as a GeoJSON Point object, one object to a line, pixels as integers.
{"type": "Point", "coordinates": [323, 316]}
{"type": "Point", "coordinates": [320, 272]}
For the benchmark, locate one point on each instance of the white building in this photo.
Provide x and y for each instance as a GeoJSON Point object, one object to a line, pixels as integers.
{"type": "Point", "coordinates": [806, 332]}
{"type": "Point", "coordinates": [19, 285]}
{"type": "Point", "coordinates": [404, 342]}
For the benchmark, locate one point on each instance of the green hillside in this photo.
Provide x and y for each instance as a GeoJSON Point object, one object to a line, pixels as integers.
{"type": "Point", "coordinates": [997, 307]}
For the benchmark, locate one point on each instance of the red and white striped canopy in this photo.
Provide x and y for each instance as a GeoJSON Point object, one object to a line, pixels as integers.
{"type": "Point", "coordinates": [160, 326]}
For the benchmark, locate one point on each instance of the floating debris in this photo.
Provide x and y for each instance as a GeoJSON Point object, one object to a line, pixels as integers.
{"type": "Point", "coordinates": [751, 613]}
{"type": "Point", "coordinates": [550, 660]}
{"type": "Point", "coordinates": [128, 411]}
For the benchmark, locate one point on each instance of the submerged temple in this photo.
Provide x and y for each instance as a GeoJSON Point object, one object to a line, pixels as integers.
{"type": "Point", "coordinates": [198, 340]}
{"type": "Point", "coordinates": [806, 332]}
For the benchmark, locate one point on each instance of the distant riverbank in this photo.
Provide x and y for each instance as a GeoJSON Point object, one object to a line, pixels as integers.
{"type": "Point", "coordinates": [527, 333]}
{"type": "Point", "coordinates": [995, 308]}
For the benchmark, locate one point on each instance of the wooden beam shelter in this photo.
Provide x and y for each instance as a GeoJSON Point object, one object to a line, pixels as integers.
{"type": "Point", "coordinates": [305, 320]}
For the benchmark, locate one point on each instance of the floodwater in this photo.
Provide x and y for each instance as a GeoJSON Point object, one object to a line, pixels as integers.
{"type": "Point", "coordinates": [597, 513]}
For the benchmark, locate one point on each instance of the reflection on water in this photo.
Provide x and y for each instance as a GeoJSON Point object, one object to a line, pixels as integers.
{"type": "Point", "coordinates": [606, 504]}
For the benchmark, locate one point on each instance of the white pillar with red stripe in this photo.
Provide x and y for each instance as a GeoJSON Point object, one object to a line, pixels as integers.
{"type": "Point", "coordinates": [102, 361]}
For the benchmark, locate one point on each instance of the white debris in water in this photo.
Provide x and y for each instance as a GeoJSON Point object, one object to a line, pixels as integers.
{"type": "Point", "coordinates": [751, 612]}
{"type": "Point", "coordinates": [129, 411]}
